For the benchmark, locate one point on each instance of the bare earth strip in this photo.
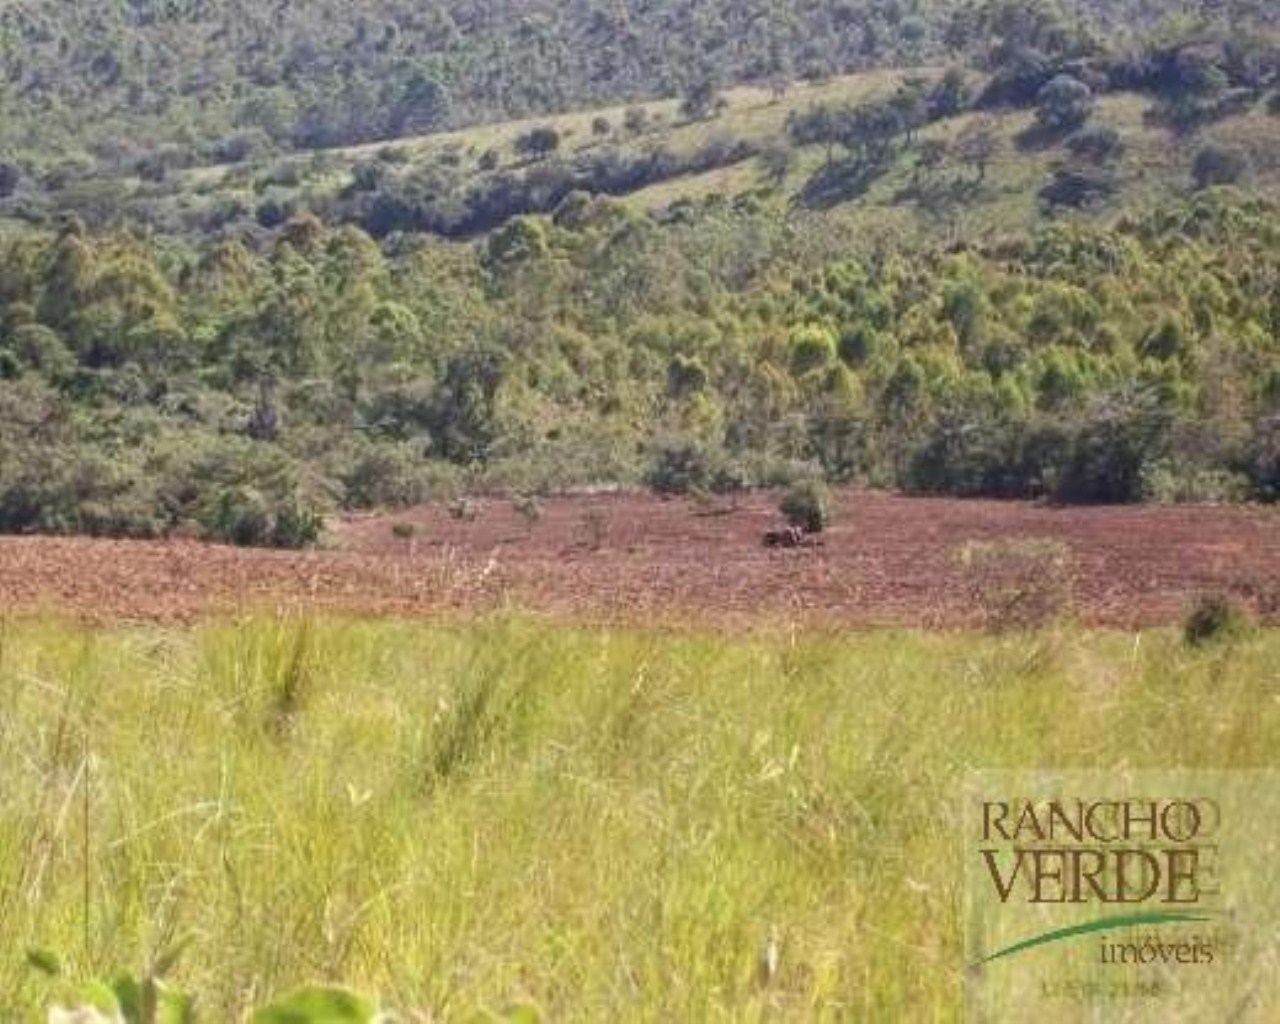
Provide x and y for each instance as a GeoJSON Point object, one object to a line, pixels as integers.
{"type": "Point", "coordinates": [631, 558]}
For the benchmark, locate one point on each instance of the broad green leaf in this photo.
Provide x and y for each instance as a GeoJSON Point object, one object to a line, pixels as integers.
{"type": "Point", "coordinates": [128, 992]}
{"type": "Point", "coordinates": [318, 1006]}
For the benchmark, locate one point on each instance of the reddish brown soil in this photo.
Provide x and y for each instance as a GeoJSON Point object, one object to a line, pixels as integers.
{"type": "Point", "coordinates": [641, 559]}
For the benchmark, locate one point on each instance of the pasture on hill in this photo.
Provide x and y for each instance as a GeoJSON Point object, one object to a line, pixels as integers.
{"type": "Point", "coordinates": [773, 169]}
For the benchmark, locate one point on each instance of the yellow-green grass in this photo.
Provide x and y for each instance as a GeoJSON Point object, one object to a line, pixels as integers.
{"type": "Point", "coordinates": [607, 823]}
{"type": "Point", "coordinates": [749, 112]}
{"type": "Point", "coordinates": [1155, 166]}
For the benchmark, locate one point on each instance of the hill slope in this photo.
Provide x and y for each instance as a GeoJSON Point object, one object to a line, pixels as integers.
{"type": "Point", "coordinates": [1051, 272]}
{"type": "Point", "coordinates": [110, 82]}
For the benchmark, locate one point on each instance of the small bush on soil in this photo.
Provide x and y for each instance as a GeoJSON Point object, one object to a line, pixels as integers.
{"type": "Point", "coordinates": [680, 468]}
{"type": "Point", "coordinates": [295, 527]}
{"type": "Point", "coordinates": [386, 476]}
{"type": "Point", "coordinates": [464, 510]}
{"type": "Point", "coordinates": [1018, 585]}
{"type": "Point", "coordinates": [529, 507]}
{"type": "Point", "coordinates": [403, 531]}
{"type": "Point", "coordinates": [1215, 617]}
{"type": "Point", "coordinates": [806, 505]}
{"type": "Point", "coordinates": [245, 517]}
{"type": "Point", "coordinates": [239, 516]}
{"type": "Point", "coordinates": [1165, 482]}
{"type": "Point", "coordinates": [684, 466]}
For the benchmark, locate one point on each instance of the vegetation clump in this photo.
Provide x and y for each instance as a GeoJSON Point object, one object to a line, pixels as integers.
{"type": "Point", "coordinates": [807, 505]}
{"type": "Point", "coordinates": [1215, 618]}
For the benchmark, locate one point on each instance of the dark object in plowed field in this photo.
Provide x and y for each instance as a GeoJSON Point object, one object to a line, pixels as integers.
{"type": "Point", "coordinates": [787, 537]}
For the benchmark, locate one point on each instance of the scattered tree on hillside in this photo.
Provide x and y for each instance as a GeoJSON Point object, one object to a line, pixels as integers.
{"type": "Point", "coordinates": [636, 120]}
{"type": "Point", "coordinates": [1097, 144]}
{"type": "Point", "coordinates": [929, 157]}
{"type": "Point", "coordinates": [537, 142]}
{"type": "Point", "coordinates": [977, 144]}
{"type": "Point", "coordinates": [949, 96]}
{"type": "Point", "coordinates": [1217, 165]}
{"type": "Point", "coordinates": [701, 101]}
{"type": "Point", "coordinates": [1064, 104]}
{"type": "Point", "coordinates": [9, 178]}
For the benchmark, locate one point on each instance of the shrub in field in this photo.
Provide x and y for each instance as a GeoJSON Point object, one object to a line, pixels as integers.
{"type": "Point", "coordinates": [245, 517]}
{"type": "Point", "coordinates": [1018, 584]}
{"type": "Point", "coordinates": [806, 506]}
{"type": "Point", "coordinates": [680, 467]}
{"type": "Point", "coordinates": [529, 507]}
{"type": "Point", "coordinates": [1165, 482]}
{"type": "Point", "coordinates": [296, 527]}
{"type": "Point", "coordinates": [293, 678]}
{"type": "Point", "coordinates": [79, 490]}
{"type": "Point", "coordinates": [384, 476]}
{"type": "Point", "coordinates": [464, 510]}
{"type": "Point", "coordinates": [812, 348]}
{"type": "Point", "coordinates": [1215, 617]}
{"type": "Point", "coordinates": [484, 710]}
{"type": "Point", "coordinates": [1063, 104]}
{"type": "Point", "coordinates": [1097, 144]}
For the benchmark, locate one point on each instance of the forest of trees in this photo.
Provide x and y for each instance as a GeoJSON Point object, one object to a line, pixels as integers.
{"type": "Point", "coordinates": [240, 394]}
{"type": "Point", "coordinates": [437, 328]}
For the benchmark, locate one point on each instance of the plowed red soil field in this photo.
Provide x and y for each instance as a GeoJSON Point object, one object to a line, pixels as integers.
{"type": "Point", "coordinates": [885, 560]}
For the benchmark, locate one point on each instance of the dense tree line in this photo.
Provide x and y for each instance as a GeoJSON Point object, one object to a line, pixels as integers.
{"type": "Point", "coordinates": [452, 203]}
{"type": "Point", "coordinates": [153, 84]}
{"type": "Point", "coordinates": [239, 392]}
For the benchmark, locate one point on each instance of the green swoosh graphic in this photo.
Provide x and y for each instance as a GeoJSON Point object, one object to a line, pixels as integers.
{"type": "Point", "coordinates": [1059, 934]}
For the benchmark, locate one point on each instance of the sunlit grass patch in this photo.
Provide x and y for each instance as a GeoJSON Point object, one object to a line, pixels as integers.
{"type": "Point", "coordinates": [604, 823]}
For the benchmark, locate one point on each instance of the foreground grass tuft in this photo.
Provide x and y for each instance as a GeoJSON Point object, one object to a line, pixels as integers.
{"type": "Point", "coordinates": [601, 823]}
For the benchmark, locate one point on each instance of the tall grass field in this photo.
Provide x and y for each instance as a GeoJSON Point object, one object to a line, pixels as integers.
{"type": "Point", "coordinates": [604, 824]}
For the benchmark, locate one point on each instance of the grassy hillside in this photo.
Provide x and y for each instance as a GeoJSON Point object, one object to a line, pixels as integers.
{"type": "Point", "coordinates": [607, 824]}
{"type": "Point", "coordinates": [753, 115]}
{"type": "Point", "coordinates": [766, 165]}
